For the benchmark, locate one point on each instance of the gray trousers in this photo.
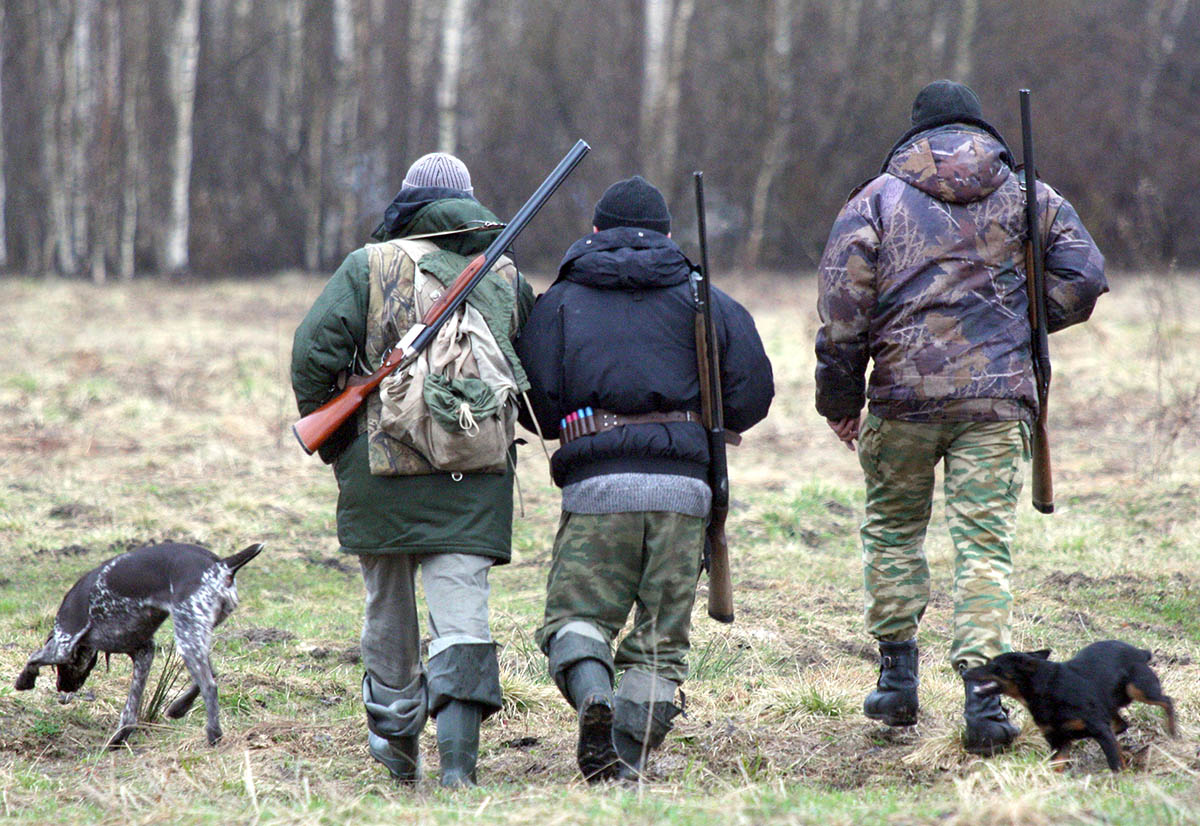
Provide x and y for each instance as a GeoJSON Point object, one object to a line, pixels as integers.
{"type": "Point", "coordinates": [456, 596]}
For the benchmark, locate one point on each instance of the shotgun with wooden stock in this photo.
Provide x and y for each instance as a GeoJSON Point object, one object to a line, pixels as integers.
{"type": "Point", "coordinates": [1035, 281]}
{"type": "Point", "coordinates": [314, 429]}
{"type": "Point", "coordinates": [720, 582]}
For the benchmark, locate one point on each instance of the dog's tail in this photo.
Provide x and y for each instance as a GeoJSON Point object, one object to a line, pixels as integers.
{"type": "Point", "coordinates": [233, 563]}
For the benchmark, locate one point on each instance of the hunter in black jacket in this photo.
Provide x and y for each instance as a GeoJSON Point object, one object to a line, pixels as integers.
{"type": "Point", "coordinates": [616, 333]}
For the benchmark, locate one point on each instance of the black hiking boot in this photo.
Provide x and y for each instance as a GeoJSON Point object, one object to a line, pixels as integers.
{"type": "Point", "coordinates": [894, 700]}
{"type": "Point", "coordinates": [989, 731]}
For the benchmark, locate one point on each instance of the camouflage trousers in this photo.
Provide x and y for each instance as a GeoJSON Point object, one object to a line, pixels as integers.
{"type": "Point", "coordinates": [605, 564]}
{"type": "Point", "coordinates": [984, 468]}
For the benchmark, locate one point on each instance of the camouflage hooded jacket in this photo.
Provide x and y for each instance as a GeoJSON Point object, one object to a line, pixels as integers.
{"type": "Point", "coordinates": [924, 273]}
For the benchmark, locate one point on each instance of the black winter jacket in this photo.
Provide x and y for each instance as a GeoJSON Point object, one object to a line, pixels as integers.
{"type": "Point", "coordinates": [616, 332]}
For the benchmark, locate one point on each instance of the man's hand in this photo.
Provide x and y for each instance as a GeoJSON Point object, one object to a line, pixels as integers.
{"type": "Point", "coordinates": [846, 429]}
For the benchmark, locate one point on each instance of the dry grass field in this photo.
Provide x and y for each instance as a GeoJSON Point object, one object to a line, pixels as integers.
{"type": "Point", "coordinates": [151, 411]}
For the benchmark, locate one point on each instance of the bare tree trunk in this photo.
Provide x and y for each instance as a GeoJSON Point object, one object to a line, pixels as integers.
{"type": "Point", "coordinates": [293, 75]}
{"type": "Point", "coordinates": [1163, 19]}
{"type": "Point", "coordinates": [422, 59]}
{"type": "Point", "coordinates": [1163, 35]}
{"type": "Point", "coordinates": [673, 94]}
{"type": "Point", "coordinates": [454, 22]}
{"type": "Point", "coordinates": [780, 108]}
{"type": "Point", "coordinates": [133, 25]}
{"type": "Point", "coordinates": [343, 131]}
{"type": "Point", "coordinates": [3, 191]}
{"type": "Point", "coordinates": [182, 59]}
{"type": "Point", "coordinates": [667, 25]}
{"type": "Point", "coordinates": [938, 22]}
{"type": "Point", "coordinates": [81, 83]}
{"type": "Point", "coordinates": [965, 41]}
{"type": "Point", "coordinates": [654, 79]}
{"type": "Point", "coordinates": [54, 30]}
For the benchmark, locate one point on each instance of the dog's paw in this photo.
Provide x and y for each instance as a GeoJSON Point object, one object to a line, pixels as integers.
{"type": "Point", "coordinates": [183, 704]}
{"type": "Point", "coordinates": [118, 739]}
{"type": "Point", "coordinates": [214, 735]}
{"type": "Point", "coordinates": [26, 679]}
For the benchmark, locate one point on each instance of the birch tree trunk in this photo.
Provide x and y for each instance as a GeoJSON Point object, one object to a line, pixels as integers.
{"type": "Point", "coordinates": [668, 147]}
{"type": "Point", "coordinates": [421, 49]}
{"type": "Point", "coordinates": [454, 21]}
{"type": "Point", "coordinates": [780, 110]}
{"type": "Point", "coordinates": [133, 86]}
{"type": "Point", "coordinates": [343, 119]}
{"type": "Point", "coordinates": [3, 191]}
{"type": "Point", "coordinates": [81, 83]}
{"type": "Point", "coordinates": [654, 79]}
{"type": "Point", "coordinates": [182, 61]}
{"type": "Point", "coordinates": [1163, 19]}
{"type": "Point", "coordinates": [964, 41]}
{"type": "Point", "coordinates": [54, 31]}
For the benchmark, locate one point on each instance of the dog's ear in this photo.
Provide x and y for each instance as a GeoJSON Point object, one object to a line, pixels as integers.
{"type": "Point", "coordinates": [233, 563]}
{"type": "Point", "coordinates": [1028, 663]}
{"type": "Point", "coordinates": [74, 673]}
{"type": "Point", "coordinates": [1041, 653]}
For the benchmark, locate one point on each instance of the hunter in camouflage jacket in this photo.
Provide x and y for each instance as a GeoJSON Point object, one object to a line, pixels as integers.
{"type": "Point", "coordinates": [924, 273]}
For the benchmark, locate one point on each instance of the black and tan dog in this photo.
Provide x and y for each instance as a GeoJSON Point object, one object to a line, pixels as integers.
{"type": "Point", "coordinates": [1079, 698]}
{"type": "Point", "coordinates": [116, 608]}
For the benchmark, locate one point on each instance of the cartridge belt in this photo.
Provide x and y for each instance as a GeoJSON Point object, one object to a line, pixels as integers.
{"type": "Point", "coordinates": [587, 421]}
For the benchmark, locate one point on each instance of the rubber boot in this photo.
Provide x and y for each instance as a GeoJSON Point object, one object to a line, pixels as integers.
{"type": "Point", "coordinates": [632, 753]}
{"type": "Point", "coordinates": [391, 715]}
{"type": "Point", "coordinates": [589, 686]}
{"type": "Point", "coordinates": [401, 755]}
{"type": "Point", "coordinates": [458, 742]}
{"type": "Point", "coordinates": [989, 730]}
{"type": "Point", "coordinates": [894, 700]}
{"type": "Point", "coordinates": [640, 728]}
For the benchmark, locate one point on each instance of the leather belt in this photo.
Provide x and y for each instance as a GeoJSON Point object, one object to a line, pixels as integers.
{"type": "Point", "coordinates": [588, 421]}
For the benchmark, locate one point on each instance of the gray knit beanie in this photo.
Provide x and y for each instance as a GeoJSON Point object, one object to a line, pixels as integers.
{"type": "Point", "coordinates": [440, 169]}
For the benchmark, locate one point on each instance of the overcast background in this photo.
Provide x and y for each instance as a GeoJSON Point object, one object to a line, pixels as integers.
{"type": "Point", "coordinates": [237, 137]}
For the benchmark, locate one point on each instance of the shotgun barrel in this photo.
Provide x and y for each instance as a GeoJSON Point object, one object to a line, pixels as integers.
{"type": "Point", "coordinates": [1035, 279]}
{"type": "Point", "coordinates": [720, 581]}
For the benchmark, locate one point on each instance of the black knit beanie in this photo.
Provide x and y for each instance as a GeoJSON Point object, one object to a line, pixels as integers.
{"type": "Point", "coordinates": [633, 202]}
{"type": "Point", "coordinates": [944, 102]}
{"type": "Point", "coordinates": [945, 99]}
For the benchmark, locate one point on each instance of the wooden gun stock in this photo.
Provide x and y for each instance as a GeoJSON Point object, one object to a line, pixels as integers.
{"type": "Point", "coordinates": [317, 427]}
{"type": "Point", "coordinates": [1043, 480]}
{"type": "Point", "coordinates": [720, 581]}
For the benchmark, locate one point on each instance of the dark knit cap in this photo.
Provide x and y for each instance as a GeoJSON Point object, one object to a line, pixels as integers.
{"type": "Point", "coordinates": [944, 99]}
{"type": "Point", "coordinates": [941, 103]}
{"type": "Point", "coordinates": [633, 202]}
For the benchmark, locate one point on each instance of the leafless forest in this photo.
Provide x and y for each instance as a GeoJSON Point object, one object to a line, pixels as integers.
{"type": "Point", "coordinates": [233, 136]}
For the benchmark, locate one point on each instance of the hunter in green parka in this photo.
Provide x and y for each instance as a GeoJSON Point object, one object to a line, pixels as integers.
{"type": "Point", "coordinates": [428, 512]}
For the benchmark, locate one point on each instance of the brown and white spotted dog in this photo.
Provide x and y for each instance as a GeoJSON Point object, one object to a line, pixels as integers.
{"type": "Point", "coordinates": [116, 608]}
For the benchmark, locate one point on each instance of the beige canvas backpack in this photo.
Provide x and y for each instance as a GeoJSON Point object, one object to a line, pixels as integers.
{"type": "Point", "coordinates": [456, 404]}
